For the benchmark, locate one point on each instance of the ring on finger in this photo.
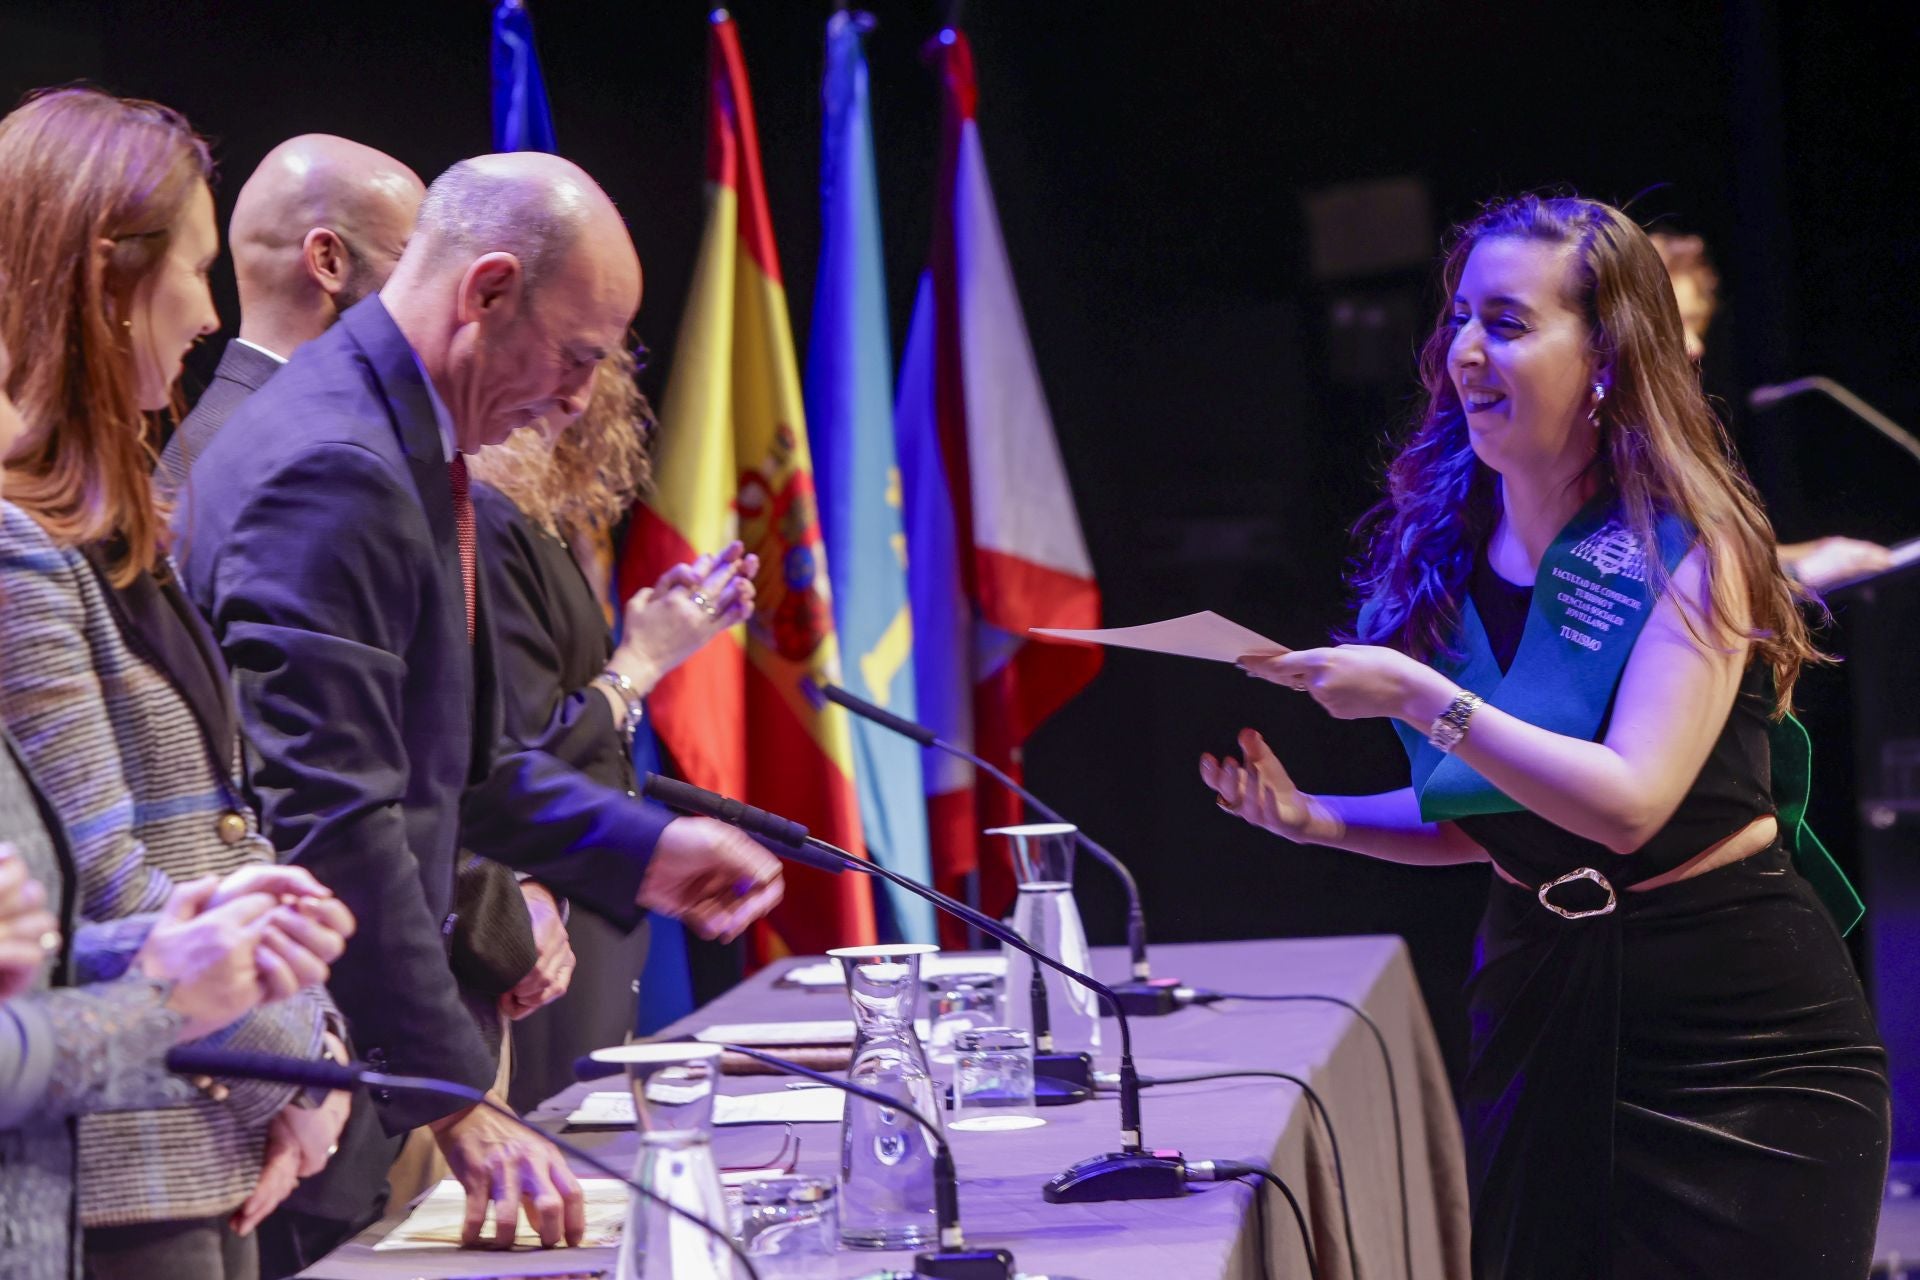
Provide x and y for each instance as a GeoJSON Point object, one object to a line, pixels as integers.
{"type": "Point", "coordinates": [703, 602]}
{"type": "Point", "coordinates": [50, 941]}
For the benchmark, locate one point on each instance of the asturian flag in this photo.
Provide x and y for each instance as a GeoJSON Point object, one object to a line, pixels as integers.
{"type": "Point", "coordinates": [994, 538]}
{"type": "Point", "coordinates": [732, 460]}
{"type": "Point", "coordinates": [849, 408]}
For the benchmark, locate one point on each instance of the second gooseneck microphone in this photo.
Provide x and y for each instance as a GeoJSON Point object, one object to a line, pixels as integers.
{"type": "Point", "coordinates": [1132, 1173]}
{"type": "Point", "coordinates": [1143, 995]}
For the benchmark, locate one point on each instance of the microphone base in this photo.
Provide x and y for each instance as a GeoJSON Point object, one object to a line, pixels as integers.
{"type": "Point", "coordinates": [973, 1264]}
{"type": "Point", "coordinates": [1060, 1079]}
{"type": "Point", "coordinates": [1049, 1092]}
{"type": "Point", "coordinates": [1119, 1175]}
{"type": "Point", "coordinates": [1153, 998]}
{"type": "Point", "coordinates": [1073, 1068]}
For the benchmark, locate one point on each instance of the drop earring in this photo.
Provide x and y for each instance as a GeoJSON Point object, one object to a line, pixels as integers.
{"type": "Point", "coordinates": [1599, 396]}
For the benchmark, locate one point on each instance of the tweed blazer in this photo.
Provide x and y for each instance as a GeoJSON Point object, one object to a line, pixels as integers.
{"type": "Point", "coordinates": [136, 751]}
{"type": "Point", "coordinates": [67, 1050]}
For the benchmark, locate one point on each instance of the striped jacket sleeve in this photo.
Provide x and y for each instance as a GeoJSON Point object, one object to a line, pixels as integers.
{"type": "Point", "coordinates": [54, 699]}
{"type": "Point", "coordinates": [81, 1050]}
{"type": "Point", "coordinates": [63, 676]}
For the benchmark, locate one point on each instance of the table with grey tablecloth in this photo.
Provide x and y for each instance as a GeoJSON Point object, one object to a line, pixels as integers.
{"type": "Point", "coordinates": [1209, 1233]}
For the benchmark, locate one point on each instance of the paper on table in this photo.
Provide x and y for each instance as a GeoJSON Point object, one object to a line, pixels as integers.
{"type": "Point", "coordinates": [825, 1031]}
{"type": "Point", "coordinates": [826, 973]}
{"type": "Point", "coordinates": [778, 1106]}
{"type": "Point", "coordinates": [1197, 635]}
{"type": "Point", "coordinates": [436, 1222]}
{"type": "Point", "coordinates": [822, 1031]}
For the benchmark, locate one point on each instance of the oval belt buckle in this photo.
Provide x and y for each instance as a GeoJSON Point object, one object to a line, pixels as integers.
{"type": "Point", "coordinates": [1581, 873]}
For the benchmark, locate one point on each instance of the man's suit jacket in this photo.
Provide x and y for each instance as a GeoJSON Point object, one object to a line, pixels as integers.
{"type": "Point", "coordinates": [492, 944]}
{"type": "Point", "coordinates": [243, 370]}
{"type": "Point", "coordinates": [319, 539]}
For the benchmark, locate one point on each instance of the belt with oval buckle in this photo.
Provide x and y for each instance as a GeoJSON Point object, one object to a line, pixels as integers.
{"type": "Point", "coordinates": [1579, 873]}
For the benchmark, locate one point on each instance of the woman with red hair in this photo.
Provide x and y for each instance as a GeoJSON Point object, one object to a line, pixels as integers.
{"type": "Point", "coordinates": [110, 683]}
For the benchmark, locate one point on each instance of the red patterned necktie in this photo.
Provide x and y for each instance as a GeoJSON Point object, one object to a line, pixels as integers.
{"type": "Point", "coordinates": [463, 525]}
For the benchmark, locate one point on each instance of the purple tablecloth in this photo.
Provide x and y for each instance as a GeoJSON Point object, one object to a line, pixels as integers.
{"type": "Point", "coordinates": [1207, 1234]}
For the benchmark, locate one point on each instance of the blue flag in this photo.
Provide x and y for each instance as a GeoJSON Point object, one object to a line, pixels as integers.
{"type": "Point", "coordinates": [521, 118]}
{"type": "Point", "coordinates": [850, 421]}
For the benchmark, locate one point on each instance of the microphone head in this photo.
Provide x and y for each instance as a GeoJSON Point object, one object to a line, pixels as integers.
{"type": "Point", "coordinates": [814, 693]}
{"type": "Point", "coordinates": [232, 1064]}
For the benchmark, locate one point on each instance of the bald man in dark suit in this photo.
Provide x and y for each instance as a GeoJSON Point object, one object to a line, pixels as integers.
{"type": "Point", "coordinates": [318, 226]}
{"type": "Point", "coordinates": [328, 535]}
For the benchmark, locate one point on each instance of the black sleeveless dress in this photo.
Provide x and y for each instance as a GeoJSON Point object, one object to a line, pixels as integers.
{"type": "Point", "coordinates": [1688, 1086]}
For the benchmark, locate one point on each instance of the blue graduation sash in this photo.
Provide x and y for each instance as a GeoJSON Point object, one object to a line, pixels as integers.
{"type": "Point", "coordinates": [1591, 599]}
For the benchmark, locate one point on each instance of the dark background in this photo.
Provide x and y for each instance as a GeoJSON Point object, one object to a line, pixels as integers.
{"type": "Point", "coordinates": [1222, 407]}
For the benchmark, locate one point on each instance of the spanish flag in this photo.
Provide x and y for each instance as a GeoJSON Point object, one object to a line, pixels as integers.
{"type": "Point", "coordinates": [732, 461]}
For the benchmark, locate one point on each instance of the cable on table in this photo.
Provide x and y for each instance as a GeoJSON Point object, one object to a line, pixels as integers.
{"type": "Point", "coordinates": [1393, 1095]}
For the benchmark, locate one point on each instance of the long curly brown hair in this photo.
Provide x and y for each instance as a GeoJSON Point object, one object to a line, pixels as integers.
{"type": "Point", "coordinates": [1662, 451]}
{"type": "Point", "coordinates": [78, 166]}
{"type": "Point", "coordinates": [579, 486]}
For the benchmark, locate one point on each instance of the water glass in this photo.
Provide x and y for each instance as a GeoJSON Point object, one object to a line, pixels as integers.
{"type": "Point", "coordinates": [789, 1226]}
{"type": "Point", "coordinates": [993, 1078]}
{"type": "Point", "coordinates": [961, 1002]}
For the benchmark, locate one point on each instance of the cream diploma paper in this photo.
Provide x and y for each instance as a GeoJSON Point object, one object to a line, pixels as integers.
{"type": "Point", "coordinates": [1197, 635]}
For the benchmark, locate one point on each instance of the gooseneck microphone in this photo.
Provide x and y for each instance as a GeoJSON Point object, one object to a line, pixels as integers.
{"type": "Point", "coordinates": [200, 1060]}
{"type": "Point", "coordinates": [1142, 996]}
{"type": "Point", "coordinates": [1132, 1173]}
{"type": "Point", "coordinates": [1766, 397]}
{"type": "Point", "coordinates": [953, 1261]}
{"type": "Point", "coordinates": [770, 828]}
{"type": "Point", "coordinates": [1060, 1078]}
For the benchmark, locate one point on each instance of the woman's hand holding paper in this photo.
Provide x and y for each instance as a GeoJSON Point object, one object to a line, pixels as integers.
{"type": "Point", "coordinates": [1359, 681]}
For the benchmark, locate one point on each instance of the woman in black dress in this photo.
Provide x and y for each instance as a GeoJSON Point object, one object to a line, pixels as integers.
{"type": "Point", "coordinates": [545, 502]}
{"type": "Point", "coordinates": [1571, 610]}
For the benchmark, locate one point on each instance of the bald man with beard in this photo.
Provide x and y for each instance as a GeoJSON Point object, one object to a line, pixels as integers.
{"type": "Point", "coordinates": [318, 226]}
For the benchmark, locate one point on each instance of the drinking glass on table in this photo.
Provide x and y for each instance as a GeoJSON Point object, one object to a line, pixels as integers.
{"type": "Point", "coordinates": [960, 1002]}
{"type": "Point", "coordinates": [789, 1226]}
{"type": "Point", "coordinates": [993, 1079]}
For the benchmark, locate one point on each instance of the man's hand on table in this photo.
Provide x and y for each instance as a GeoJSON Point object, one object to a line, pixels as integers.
{"type": "Point", "coordinates": [504, 1167]}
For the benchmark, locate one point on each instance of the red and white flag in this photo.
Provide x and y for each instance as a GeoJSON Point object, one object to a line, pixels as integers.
{"type": "Point", "coordinates": [993, 540]}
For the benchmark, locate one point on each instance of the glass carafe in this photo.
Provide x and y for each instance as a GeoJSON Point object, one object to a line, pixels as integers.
{"type": "Point", "coordinates": [1046, 915]}
{"type": "Point", "coordinates": [886, 1156]}
{"type": "Point", "coordinates": [673, 1087]}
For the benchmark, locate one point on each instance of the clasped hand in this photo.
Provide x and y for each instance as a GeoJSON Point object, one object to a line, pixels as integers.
{"type": "Point", "coordinates": [669, 622]}
{"type": "Point", "coordinates": [255, 937]}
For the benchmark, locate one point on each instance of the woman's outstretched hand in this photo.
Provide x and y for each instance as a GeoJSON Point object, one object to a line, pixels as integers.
{"type": "Point", "coordinates": [1257, 788]}
{"type": "Point", "coordinates": [1359, 681]}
